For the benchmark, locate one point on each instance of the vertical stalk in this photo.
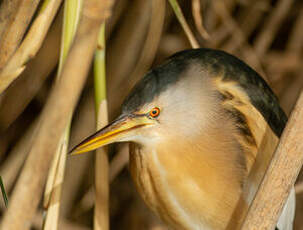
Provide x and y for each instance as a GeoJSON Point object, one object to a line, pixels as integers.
{"type": "Point", "coordinates": [55, 115]}
{"type": "Point", "coordinates": [72, 10]}
{"type": "Point", "coordinates": [178, 12]}
{"type": "Point", "coordinates": [3, 192]}
{"type": "Point", "coordinates": [101, 219]}
{"type": "Point", "coordinates": [281, 174]}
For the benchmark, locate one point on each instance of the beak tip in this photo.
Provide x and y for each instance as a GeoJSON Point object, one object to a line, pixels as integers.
{"type": "Point", "coordinates": [76, 150]}
{"type": "Point", "coordinates": [72, 151]}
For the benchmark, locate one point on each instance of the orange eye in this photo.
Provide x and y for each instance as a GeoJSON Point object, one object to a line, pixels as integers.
{"type": "Point", "coordinates": [154, 112]}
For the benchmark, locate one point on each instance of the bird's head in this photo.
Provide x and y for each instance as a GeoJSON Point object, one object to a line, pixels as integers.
{"type": "Point", "coordinates": [170, 103]}
{"type": "Point", "coordinates": [195, 93]}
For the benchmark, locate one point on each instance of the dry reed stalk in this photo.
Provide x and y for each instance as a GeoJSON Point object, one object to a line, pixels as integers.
{"type": "Point", "coordinates": [101, 216]}
{"type": "Point", "coordinates": [219, 35]}
{"type": "Point", "coordinates": [251, 16]}
{"type": "Point", "coordinates": [282, 64]}
{"type": "Point", "coordinates": [64, 224]}
{"type": "Point", "coordinates": [279, 63]}
{"type": "Point", "coordinates": [294, 49]}
{"type": "Point", "coordinates": [11, 167]}
{"type": "Point", "coordinates": [69, 208]}
{"type": "Point", "coordinates": [78, 167]}
{"type": "Point", "coordinates": [295, 41]}
{"type": "Point", "coordinates": [169, 44]}
{"type": "Point", "coordinates": [19, 95]}
{"type": "Point", "coordinates": [221, 32]}
{"type": "Point", "coordinates": [211, 19]}
{"type": "Point", "coordinates": [268, 32]}
{"type": "Point", "coordinates": [4, 145]}
{"type": "Point", "coordinates": [101, 212]}
{"type": "Point", "coordinates": [290, 60]}
{"type": "Point", "coordinates": [118, 11]}
{"type": "Point", "coordinates": [176, 7]}
{"type": "Point", "coordinates": [150, 46]}
{"type": "Point", "coordinates": [15, 17]}
{"type": "Point", "coordinates": [4, 195]}
{"type": "Point", "coordinates": [8, 10]}
{"type": "Point", "coordinates": [62, 101]}
{"type": "Point", "coordinates": [52, 195]}
{"type": "Point", "coordinates": [117, 164]}
{"type": "Point", "coordinates": [248, 51]}
{"type": "Point", "coordinates": [119, 161]}
{"type": "Point", "coordinates": [129, 37]}
{"type": "Point", "coordinates": [281, 175]}
{"type": "Point", "coordinates": [291, 93]}
{"type": "Point", "coordinates": [197, 14]}
{"type": "Point", "coordinates": [53, 188]}
{"type": "Point", "coordinates": [30, 45]}
{"type": "Point", "coordinates": [86, 202]}
{"type": "Point", "coordinates": [158, 227]}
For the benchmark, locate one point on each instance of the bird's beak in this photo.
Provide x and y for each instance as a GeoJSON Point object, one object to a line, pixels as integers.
{"type": "Point", "coordinates": [119, 130]}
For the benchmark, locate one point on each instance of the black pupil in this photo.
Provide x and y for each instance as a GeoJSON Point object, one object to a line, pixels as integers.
{"type": "Point", "coordinates": [154, 112]}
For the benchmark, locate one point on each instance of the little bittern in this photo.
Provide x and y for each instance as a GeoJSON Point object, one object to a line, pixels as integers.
{"type": "Point", "coordinates": [196, 125]}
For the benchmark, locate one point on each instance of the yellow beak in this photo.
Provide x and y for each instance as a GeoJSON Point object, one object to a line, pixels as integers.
{"type": "Point", "coordinates": [118, 130]}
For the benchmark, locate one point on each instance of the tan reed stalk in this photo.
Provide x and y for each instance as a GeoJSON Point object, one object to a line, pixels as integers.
{"type": "Point", "coordinates": [176, 7]}
{"type": "Point", "coordinates": [281, 175]}
{"type": "Point", "coordinates": [15, 17]}
{"type": "Point", "coordinates": [197, 14]}
{"type": "Point", "coordinates": [55, 117]}
{"type": "Point", "coordinates": [30, 45]}
{"type": "Point", "coordinates": [4, 195]}
{"type": "Point", "coordinates": [52, 195]}
{"type": "Point", "coordinates": [101, 217]}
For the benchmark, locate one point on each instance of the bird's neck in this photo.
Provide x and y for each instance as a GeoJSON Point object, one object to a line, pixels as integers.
{"type": "Point", "coordinates": [199, 179]}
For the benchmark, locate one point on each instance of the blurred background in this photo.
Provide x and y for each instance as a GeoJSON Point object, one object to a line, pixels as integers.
{"type": "Point", "coordinates": [266, 34]}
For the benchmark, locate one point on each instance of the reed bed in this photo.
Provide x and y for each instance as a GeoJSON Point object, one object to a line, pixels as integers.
{"type": "Point", "coordinates": [58, 85]}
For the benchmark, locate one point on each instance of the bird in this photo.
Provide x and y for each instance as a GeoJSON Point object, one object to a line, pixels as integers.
{"type": "Point", "coordinates": [197, 125]}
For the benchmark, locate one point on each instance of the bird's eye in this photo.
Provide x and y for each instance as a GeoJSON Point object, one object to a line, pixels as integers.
{"type": "Point", "coordinates": [154, 112]}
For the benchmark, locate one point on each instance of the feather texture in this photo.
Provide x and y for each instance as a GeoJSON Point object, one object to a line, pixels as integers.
{"type": "Point", "coordinates": [220, 124]}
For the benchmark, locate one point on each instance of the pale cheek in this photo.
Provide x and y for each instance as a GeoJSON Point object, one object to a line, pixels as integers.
{"type": "Point", "coordinates": [147, 136]}
{"type": "Point", "coordinates": [179, 125]}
